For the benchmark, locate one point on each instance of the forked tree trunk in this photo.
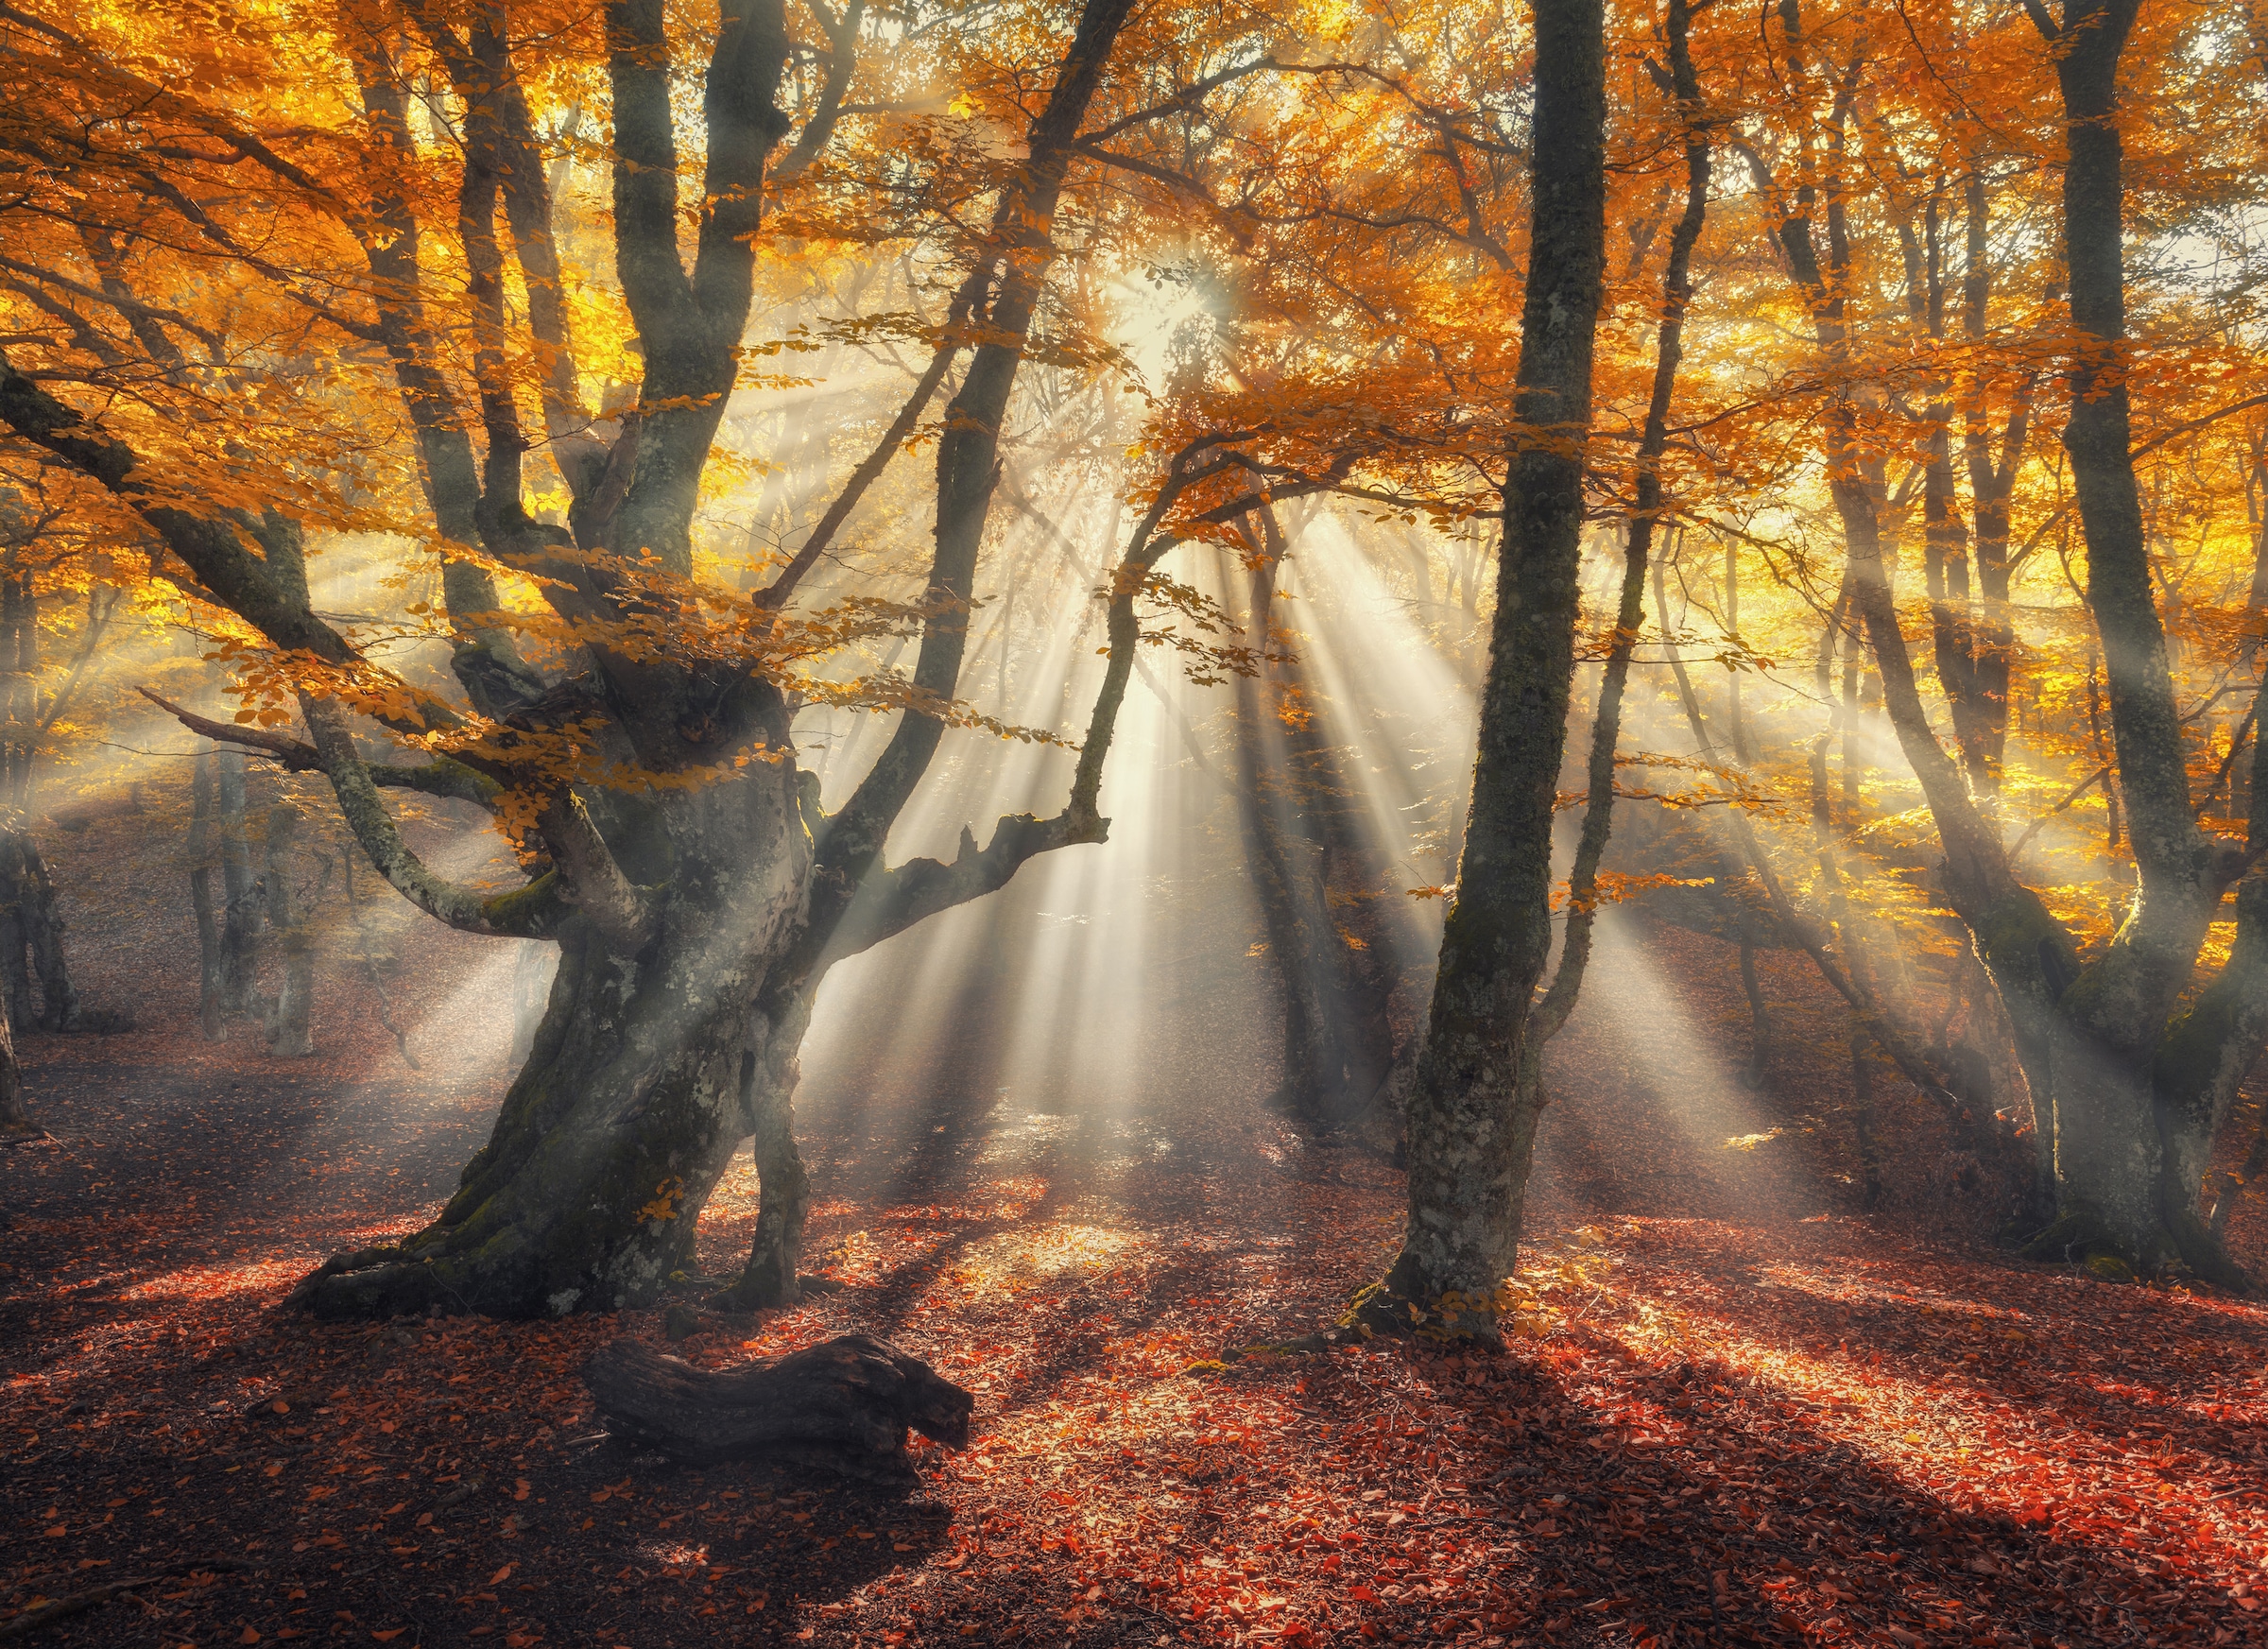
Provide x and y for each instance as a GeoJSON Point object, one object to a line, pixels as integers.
{"type": "Point", "coordinates": [634, 1097]}
{"type": "Point", "coordinates": [2134, 1083]}
{"type": "Point", "coordinates": [693, 922]}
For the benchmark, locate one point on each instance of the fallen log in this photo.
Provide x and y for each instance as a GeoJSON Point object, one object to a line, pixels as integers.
{"type": "Point", "coordinates": [843, 1407]}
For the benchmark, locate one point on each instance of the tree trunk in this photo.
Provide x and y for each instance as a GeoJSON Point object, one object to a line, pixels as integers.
{"type": "Point", "coordinates": [15, 1117]}
{"type": "Point", "coordinates": [2135, 1094]}
{"type": "Point", "coordinates": [635, 1096]}
{"type": "Point", "coordinates": [239, 912]}
{"type": "Point", "coordinates": [1863, 1117]}
{"type": "Point", "coordinates": [1321, 1082]}
{"type": "Point", "coordinates": [1759, 1021]}
{"type": "Point", "coordinates": [768, 1073]}
{"type": "Point", "coordinates": [1471, 1120]}
{"type": "Point", "coordinates": [15, 940]}
{"type": "Point", "coordinates": [289, 1028]}
{"type": "Point", "coordinates": [1735, 725]}
{"type": "Point", "coordinates": [32, 938]}
{"type": "Point", "coordinates": [42, 926]}
{"type": "Point", "coordinates": [843, 1406]}
{"type": "Point", "coordinates": [1991, 482]}
{"type": "Point", "coordinates": [693, 918]}
{"type": "Point", "coordinates": [209, 970]}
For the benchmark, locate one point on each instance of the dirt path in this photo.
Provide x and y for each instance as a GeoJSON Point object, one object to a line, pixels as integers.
{"type": "Point", "coordinates": [1754, 1415]}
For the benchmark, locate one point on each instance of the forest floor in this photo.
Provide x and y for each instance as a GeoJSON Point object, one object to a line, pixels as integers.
{"type": "Point", "coordinates": [1756, 1415]}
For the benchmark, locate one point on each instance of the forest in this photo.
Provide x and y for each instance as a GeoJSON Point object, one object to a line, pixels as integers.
{"type": "Point", "coordinates": [895, 822]}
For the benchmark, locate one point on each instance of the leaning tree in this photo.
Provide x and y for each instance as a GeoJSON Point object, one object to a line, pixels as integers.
{"type": "Point", "coordinates": [195, 259]}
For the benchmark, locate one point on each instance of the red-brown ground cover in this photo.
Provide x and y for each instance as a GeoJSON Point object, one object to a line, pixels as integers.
{"type": "Point", "coordinates": [1753, 1415]}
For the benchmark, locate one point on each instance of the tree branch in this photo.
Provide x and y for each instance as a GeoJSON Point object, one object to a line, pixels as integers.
{"type": "Point", "coordinates": [441, 777]}
{"type": "Point", "coordinates": [531, 912]}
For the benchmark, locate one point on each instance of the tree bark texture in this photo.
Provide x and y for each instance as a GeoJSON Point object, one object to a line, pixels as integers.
{"type": "Point", "coordinates": [843, 1407]}
{"type": "Point", "coordinates": [1470, 1141]}
{"type": "Point", "coordinates": [1551, 1014]}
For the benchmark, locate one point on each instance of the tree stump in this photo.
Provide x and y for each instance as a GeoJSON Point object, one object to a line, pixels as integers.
{"type": "Point", "coordinates": [842, 1407]}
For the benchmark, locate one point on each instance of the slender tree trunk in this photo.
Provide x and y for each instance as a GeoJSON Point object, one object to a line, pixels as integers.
{"type": "Point", "coordinates": [1759, 1019]}
{"type": "Point", "coordinates": [44, 924]}
{"type": "Point", "coordinates": [31, 930]}
{"type": "Point", "coordinates": [289, 1030]}
{"type": "Point", "coordinates": [1550, 1015]}
{"type": "Point", "coordinates": [1328, 1076]}
{"type": "Point", "coordinates": [1991, 483]}
{"type": "Point", "coordinates": [1863, 1117]}
{"type": "Point", "coordinates": [1469, 1140]}
{"type": "Point", "coordinates": [211, 998]}
{"type": "Point", "coordinates": [1012, 275]}
{"type": "Point", "coordinates": [1734, 725]}
{"type": "Point", "coordinates": [239, 911]}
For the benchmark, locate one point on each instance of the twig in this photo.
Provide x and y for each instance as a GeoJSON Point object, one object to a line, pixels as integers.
{"type": "Point", "coordinates": [295, 755]}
